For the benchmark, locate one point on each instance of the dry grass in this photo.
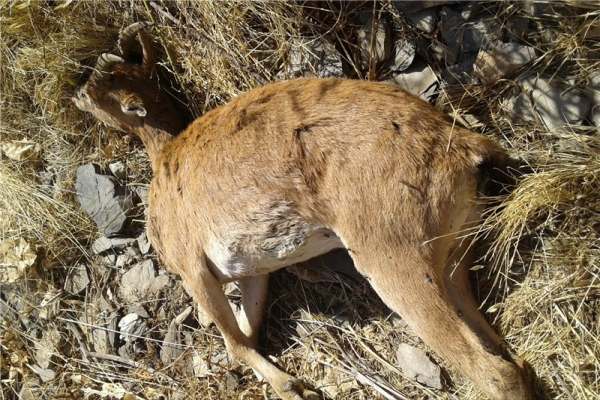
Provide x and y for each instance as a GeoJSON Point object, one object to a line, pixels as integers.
{"type": "Point", "coordinates": [541, 286]}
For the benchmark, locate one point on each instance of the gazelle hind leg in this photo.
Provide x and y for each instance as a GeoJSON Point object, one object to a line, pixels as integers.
{"type": "Point", "coordinates": [457, 287]}
{"type": "Point", "coordinates": [208, 293]}
{"type": "Point", "coordinates": [254, 298]}
{"type": "Point", "coordinates": [407, 282]}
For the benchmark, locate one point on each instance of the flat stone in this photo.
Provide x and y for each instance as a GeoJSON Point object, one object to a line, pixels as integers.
{"type": "Point", "coordinates": [171, 347]}
{"type": "Point", "coordinates": [103, 244]}
{"type": "Point", "coordinates": [45, 374]}
{"type": "Point", "coordinates": [419, 80]}
{"type": "Point", "coordinates": [141, 283]}
{"type": "Point", "coordinates": [103, 199]}
{"type": "Point", "coordinates": [556, 106]}
{"type": "Point", "coordinates": [77, 279]}
{"type": "Point", "coordinates": [415, 364]}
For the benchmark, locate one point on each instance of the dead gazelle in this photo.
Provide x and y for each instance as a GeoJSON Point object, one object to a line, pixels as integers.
{"type": "Point", "coordinates": [294, 169]}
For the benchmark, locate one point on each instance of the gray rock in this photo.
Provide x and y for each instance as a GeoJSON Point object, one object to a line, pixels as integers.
{"type": "Point", "coordinates": [404, 51]}
{"type": "Point", "coordinates": [374, 40]}
{"type": "Point", "coordinates": [77, 279]}
{"type": "Point", "coordinates": [105, 201]}
{"type": "Point", "coordinates": [419, 80]}
{"type": "Point", "coordinates": [424, 20]}
{"type": "Point", "coordinates": [312, 57]}
{"type": "Point", "coordinates": [103, 244]}
{"type": "Point", "coordinates": [501, 60]}
{"type": "Point", "coordinates": [555, 106]}
{"type": "Point", "coordinates": [417, 366]}
{"type": "Point", "coordinates": [141, 282]}
{"type": "Point", "coordinates": [142, 193]}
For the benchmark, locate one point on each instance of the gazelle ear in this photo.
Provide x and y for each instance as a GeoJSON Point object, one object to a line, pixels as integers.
{"type": "Point", "coordinates": [133, 105]}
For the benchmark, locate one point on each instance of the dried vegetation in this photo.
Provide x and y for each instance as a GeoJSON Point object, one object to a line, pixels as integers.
{"type": "Point", "coordinates": [540, 281]}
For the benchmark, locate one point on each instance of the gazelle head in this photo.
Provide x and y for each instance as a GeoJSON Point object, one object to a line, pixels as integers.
{"type": "Point", "coordinates": [124, 91]}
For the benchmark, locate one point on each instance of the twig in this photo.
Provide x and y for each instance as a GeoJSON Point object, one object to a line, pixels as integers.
{"type": "Point", "coordinates": [164, 13]}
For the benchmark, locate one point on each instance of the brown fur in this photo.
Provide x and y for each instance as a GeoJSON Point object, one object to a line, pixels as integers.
{"type": "Point", "coordinates": [244, 189]}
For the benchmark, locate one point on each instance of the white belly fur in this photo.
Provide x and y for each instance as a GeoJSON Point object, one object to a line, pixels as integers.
{"type": "Point", "coordinates": [233, 260]}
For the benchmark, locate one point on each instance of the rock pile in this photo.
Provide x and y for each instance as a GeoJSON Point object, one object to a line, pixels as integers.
{"type": "Point", "coordinates": [450, 44]}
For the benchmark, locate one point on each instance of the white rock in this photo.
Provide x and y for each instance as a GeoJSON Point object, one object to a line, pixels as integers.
{"type": "Point", "coordinates": [131, 326]}
{"type": "Point", "coordinates": [404, 51]}
{"type": "Point", "coordinates": [417, 366]}
{"type": "Point", "coordinates": [143, 243]}
{"type": "Point", "coordinates": [118, 169]}
{"type": "Point", "coordinates": [419, 80]}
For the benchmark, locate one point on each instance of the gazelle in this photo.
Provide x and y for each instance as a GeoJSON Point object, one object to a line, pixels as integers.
{"type": "Point", "coordinates": [294, 169]}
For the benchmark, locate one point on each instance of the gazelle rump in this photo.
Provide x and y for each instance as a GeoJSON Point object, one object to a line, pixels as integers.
{"type": "Point", "coordinates": [294, 169]}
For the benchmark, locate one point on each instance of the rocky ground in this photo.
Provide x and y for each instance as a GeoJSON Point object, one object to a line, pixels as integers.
{"type": "Point", "coordinates": [87, 311]}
